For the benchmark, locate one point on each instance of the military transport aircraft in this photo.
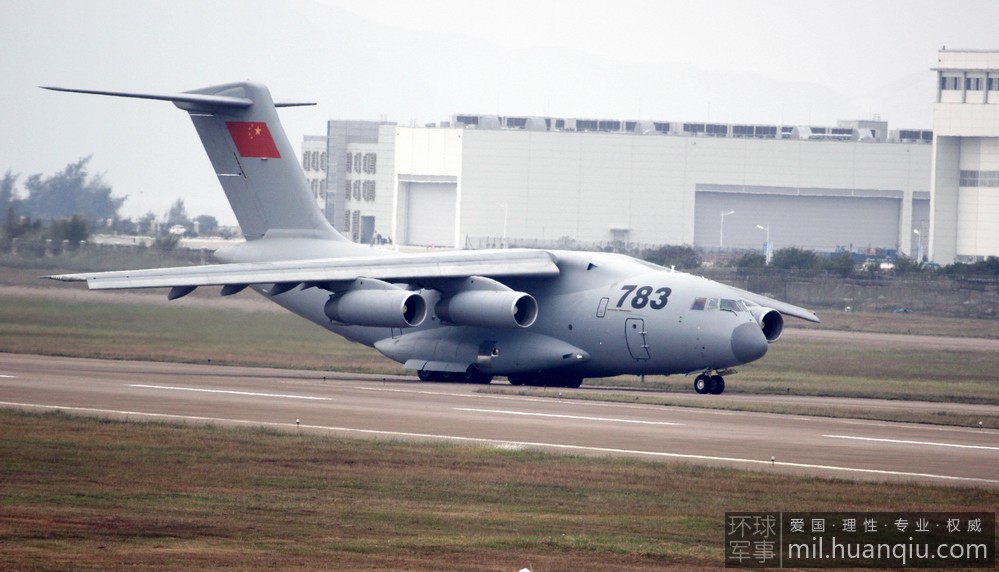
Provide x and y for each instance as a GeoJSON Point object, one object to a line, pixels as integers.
{"type": "Point", "coordinates": [538, 317]}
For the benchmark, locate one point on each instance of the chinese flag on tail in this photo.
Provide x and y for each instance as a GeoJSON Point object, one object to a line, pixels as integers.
{"type": "Point", "coordinates": [253, 139]}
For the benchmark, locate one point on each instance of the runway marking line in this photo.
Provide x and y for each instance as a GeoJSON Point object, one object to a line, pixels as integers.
{"type": "Point", "coordinates": [8, 376]}
{"type": "Point", "coordinates": [507, 443]}
{"type": "Point", "coordinates": [905, 442]}
{"type": "Point", "coordinates": [609, 419]}
{"type": "Point", "coordinates": [553, 399]}
{"type": "Point", "coordinates": [230, 392]}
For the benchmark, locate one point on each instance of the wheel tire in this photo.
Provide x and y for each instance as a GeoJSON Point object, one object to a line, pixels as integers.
{"type": "Point", "coordinates": [515, 379]}
{"type": "Point", "coordinates": [573, 382]}
{"type": "Point", "coordinates": [473, 375]}
{"type": "Point", "coordinates": [717, 384]}
{"type": "Point", "coordinates": [702, 384]}
{"type": "Point", "coordinates": [425, 375]}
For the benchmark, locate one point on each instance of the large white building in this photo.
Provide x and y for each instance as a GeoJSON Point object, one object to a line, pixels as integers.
{"type": "Point", "coordinates": [965, 180]}
{"type": "Point", "coordinates": [480, 180]}
{"type": "Point", "coordinates": [487, 181]}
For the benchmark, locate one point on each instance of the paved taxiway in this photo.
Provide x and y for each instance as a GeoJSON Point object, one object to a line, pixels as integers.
{"type": "Point", "coordinates": [397, 407]}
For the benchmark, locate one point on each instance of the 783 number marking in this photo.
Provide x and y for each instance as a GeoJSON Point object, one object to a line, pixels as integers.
{"type": "Point", "coordinates": [642, 296]}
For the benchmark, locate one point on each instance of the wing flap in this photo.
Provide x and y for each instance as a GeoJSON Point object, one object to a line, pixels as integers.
{"type": "Point", "coordinates": [399, 268]}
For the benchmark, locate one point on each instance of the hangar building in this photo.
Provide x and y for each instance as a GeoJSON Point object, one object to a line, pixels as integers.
{"type": "Point", "coordinates": [478, 181]}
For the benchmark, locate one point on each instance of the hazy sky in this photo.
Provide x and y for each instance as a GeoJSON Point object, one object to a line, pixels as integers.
{"type": "Point", "coordinates": [782, 61]}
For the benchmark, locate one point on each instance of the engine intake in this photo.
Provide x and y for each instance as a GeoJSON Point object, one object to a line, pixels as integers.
{"type": "Point", "coordinates": [771, 322]}
{"type": "Point", "coordinates": [395, 308]}
{"type": "Point", "coordinates": [489, 308]}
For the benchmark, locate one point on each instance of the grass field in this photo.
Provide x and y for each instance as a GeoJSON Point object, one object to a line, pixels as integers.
{"type": "Point", "coordinates": [78, 493]}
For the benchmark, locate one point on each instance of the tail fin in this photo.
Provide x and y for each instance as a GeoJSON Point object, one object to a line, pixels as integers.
{"type": "Point", "coordinates": [256, 165]}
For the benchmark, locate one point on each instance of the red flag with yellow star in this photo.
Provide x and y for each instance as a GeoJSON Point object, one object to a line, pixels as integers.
{"type": "Point", "coordinates": [253, 139]}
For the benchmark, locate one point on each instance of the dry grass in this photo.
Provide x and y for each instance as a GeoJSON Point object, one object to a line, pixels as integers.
{"type": "Point", "coordinates": [97, 494]}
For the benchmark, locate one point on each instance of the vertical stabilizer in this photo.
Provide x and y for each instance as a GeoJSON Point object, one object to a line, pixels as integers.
{"type": "Point", "coordinates": [252, 157]}
{"type": "Point", "coordinates": [256, 165]}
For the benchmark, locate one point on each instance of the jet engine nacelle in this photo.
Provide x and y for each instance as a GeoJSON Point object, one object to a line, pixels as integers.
{"type": "Point", "coordinates": [770, 321]}
{"type": "Point", "coordinates": [392, 308]}
{"type": "Point", "coordinates": [488, 308]}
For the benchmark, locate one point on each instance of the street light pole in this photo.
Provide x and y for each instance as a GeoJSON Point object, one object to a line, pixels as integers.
{"type": "Point", "coordinates": [506, 210]}
{"type": "Point", "coordinates": [721, 232]}
{"type": "Point", "coordinates": [768, 249]}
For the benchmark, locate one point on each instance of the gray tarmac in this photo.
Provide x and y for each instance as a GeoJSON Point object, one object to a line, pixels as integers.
{"type": "Point", "coordinates": [396, 407]}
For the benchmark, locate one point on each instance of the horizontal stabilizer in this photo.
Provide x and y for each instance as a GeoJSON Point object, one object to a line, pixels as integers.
{"type": "Point", "coordinates": [398, 268]}
{"type": "Point", "coordinates": [196, 99]}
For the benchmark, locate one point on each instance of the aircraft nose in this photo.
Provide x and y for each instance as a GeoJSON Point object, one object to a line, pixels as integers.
{"type": "Point", "coordinates": [748, 343]}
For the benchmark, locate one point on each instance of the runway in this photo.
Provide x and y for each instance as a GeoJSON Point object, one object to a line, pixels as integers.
{"type": "Point", "coordinates": [388, 407]}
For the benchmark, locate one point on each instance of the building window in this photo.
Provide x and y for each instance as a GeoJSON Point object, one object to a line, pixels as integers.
{"type": "Point", "coordinates": [350, 162]}
{"type": "Point", "coordinates": [369, 190]}
{"type": "Point", "coordinates": [994, 84]}
{"type": "Point", "coordinates": [315, 160]}
{"type": "Point", "coordinates": [357, 163]}
{"type": "Point", "coordinates": [322, 162]}
{"type": "Point", "coordinates": [950, 82]}
{"type": "Point", "coordinates": [973, 83]}
{"type": "Point", "coordinates": [716, 130]}
{"type": "Point", "coordinates": [357, 190]}
{"type": "Point", "coordinates": [980, 179]}
{"type": "Point", "coordinates": [305, 160]}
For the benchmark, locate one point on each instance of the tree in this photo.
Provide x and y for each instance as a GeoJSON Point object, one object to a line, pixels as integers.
{"type": "Point", "coordinates": [207, 224]}
{"type": "Point", "coordinates": [71, 192]}
{"type": "Point", "coordinates": [904, 265]}
{"type": "Point", "coordinates": [987, 267]}
{"type": "Point", "coordinates": [841, 264]}
{"type": "Point", "coordinates": [147, 224]}
{"type": "Point", "coordinates": [794, 258]}
{"type": "Point", "coordinates": [750, 260]}
{"type": "Point", "coordinates": [681, 257]}
{"type": "Point", "coordinates": [8, 195]}
{"type": "Point", "coordinates": [178, 215]}
{"type": "Point", "coordinates": [73, 229]}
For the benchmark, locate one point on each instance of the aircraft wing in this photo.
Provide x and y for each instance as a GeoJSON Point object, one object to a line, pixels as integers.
{"type": "Point", "coordinates": [391, 268]}
{"type": "Point", "coordinates": [782, 307]}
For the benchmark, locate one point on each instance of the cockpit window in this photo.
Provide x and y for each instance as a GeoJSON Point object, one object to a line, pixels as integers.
{"type": "Point", "coordinates": [710, 304]}
{"type": "Point", "coordinates": [732, 306]}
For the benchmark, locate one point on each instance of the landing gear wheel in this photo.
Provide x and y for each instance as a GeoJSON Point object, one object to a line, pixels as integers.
{"type": "Point", "coordinates": [573, 382]}
{"type": "Point", "coordinates": [702, 384]}
{"type": "Point", "coordinates": [425, 375]}
{"type": "Point", "coordinates": [473, 375]}
{"type": "Point", "coordinates": [717, 385]}
{"type": "Point", "coordinates": [515, 379]}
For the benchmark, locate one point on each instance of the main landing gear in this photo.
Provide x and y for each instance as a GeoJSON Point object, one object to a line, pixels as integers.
{"type": "Point", "coordinates": [713, 384]}
{"type": "Point", "coordinates": [545, 379]}
{"type": "Point", "coordinates": [471, 375]}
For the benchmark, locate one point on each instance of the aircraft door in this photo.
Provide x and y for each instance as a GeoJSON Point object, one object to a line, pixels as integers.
{"type": "Point", "coordinates": [634, 334]}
